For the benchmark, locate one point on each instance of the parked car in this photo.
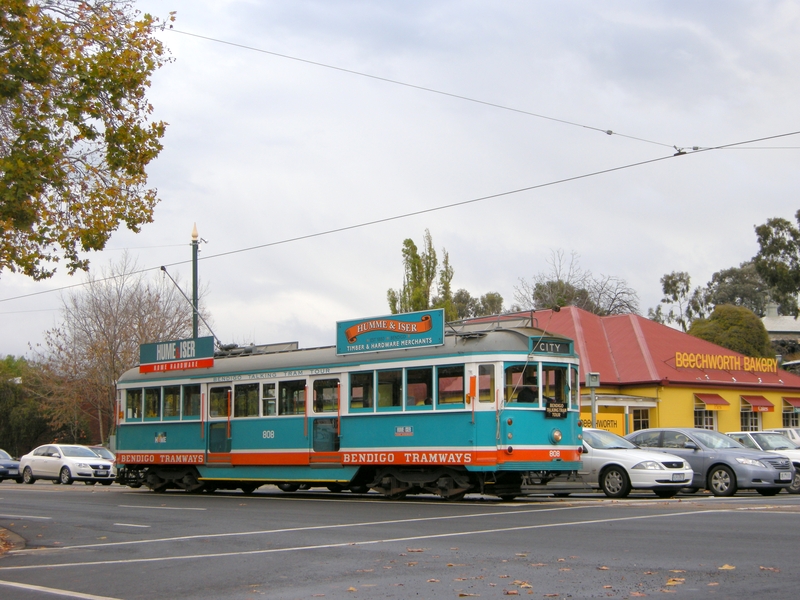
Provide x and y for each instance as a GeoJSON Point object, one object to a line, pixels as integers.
{"type": "Point", "coordinates": [65, 463]}
{"type": "Point", "coordinates": [104, 452]}
{"type": "Point", "coordinates": [616, 466]}
{"type": "Point", "coordinates": [9, 468]}
{"type": "Point", "coordinates": [720, 464]}
{"type": "Point", "coordinates": [793, 433]}
{"type": "Point", "coordinates": [772, 441]}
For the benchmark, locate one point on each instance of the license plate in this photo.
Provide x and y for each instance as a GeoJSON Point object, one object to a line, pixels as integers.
{"type": "Point", "coordinates": [13, 472]}
{"type": "Point", "coordinates": [786, 476]}
{"type": "Point", "coordinates": [678, 477]}
{"type": "Point", "coordinates": [101, 473]}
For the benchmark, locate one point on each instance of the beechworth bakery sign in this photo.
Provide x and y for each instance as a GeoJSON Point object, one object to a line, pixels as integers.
{"type": "Point", "coordinates": [725, 362]}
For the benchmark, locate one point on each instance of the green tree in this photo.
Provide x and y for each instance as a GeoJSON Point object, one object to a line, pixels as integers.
{"type": "Point", "coordinates": [778, 260]}
{"type": "Point", "coordinates": [736, 328]}
{"type": "Point", "coordinates": [680, 305]}
{"type": "Point", "coordinates": [23, 424]}
{"type": "Point", "coordinates": [419, 272]}
{"type": "Point", "coordinates": [740, 286]}
{"type": "Point", "coordinates": [75, 134]}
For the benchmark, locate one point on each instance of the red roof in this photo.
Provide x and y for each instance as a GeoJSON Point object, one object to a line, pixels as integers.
{"type": "Point", "coordinates": [631, 349]}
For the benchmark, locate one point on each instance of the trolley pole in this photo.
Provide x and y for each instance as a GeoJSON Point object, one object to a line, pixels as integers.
{"type": "Point", "coordinates": [195, 244]}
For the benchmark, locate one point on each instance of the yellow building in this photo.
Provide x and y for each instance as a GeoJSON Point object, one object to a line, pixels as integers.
{"type": "Point", "coordinates": [651, 375]}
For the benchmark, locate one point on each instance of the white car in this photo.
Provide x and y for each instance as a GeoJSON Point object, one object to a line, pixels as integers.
{"type": "Point", "coordinates": [793, 433]}
{"type": "Point", "coordinates": [772, 441]}
{"type": "Point", "coordinates": [65, 463]}
{"type": "Point", "coordinates": [616, 466]}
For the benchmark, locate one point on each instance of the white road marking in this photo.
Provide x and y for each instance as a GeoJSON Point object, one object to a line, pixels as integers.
{"type": "Point", "coordinates": [131, 525]}
{"type": "Point", "coordinates": [25, 517]}
{"type": "Point", "coordinates": [415, 538]}
{"type": "Point", "coordinates": [47, 590]}
{"type": "Point", "coordinates": [159, 507]}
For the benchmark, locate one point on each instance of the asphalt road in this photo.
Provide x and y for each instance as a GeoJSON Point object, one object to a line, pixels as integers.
{"type": "Point", "coordinates": [115, 542]}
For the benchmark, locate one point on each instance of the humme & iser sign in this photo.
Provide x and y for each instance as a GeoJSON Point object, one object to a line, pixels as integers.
{"type": "Point", "coordinates": [177, 355]}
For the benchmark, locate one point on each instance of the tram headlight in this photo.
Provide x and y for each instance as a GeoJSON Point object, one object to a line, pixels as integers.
{"type": "Point", "coordinates": [556, 436]}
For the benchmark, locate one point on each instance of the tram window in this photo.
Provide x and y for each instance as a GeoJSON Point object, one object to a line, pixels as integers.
{"type": "Point", "coordinates": [218, 401]}
{"type": "Point", "coordinates": [575, 397]}
{"type": "Point", "coordinates": [522, 385]}
{"type": "Point", "coordinates": [152, 403]}
{"type": "Point", "coordinates": [419, 388]}
{"type": "Point", "coordinates": [191, 401]}
{"type": "Point", "coordinates": [362, 391]}
{"type": "Point", "coordinates": [172, 401]}
{"type": "Point", "coordinates": [326, 395]}
{"type": "Point", "coordinates": [486, 383]}
{"type": "Point", "coordinates": [245, 400]}
{"type": "Point", "coordinates": [390, 390]}
{"type": "Point", "coordinates": [293, 397]}
{"type": "Point", "coordinates": [269, 404]}
{"type": "Point", "coordinates": [554, 383]}
{"type": "Point", "coordinates": [133, 405]}
{"type": "Point", "coordinates": [450, 386]}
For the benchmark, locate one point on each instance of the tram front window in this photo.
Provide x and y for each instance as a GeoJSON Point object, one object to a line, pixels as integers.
{"type": "Point", "coordinates": [522, 384]}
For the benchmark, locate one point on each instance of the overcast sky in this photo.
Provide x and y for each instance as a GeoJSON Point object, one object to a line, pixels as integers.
{"type": "Point", "coordinates": [262, 148]}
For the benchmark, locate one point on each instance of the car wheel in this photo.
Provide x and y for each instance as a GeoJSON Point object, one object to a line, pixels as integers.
{"type": "Point", "coordinates": [65, 476]}
{"type": "Point", "coordinates": [88, 482]}
{"type": "Point", "coordinates": [27, 476]}
{"type": "Point", "coordinates": [768, 491]}
{"type": "Point", "coordinates": [615, 482]}
{"type": "Point", "coordinates": [19, 480]}
{"type": "Point", "coordinates": [665, 493]}
{"type": "Point", "coordinates": [689, 490]}
{"type": "Point", "coordinates": [794, 487]}
{"type": "Point", "coordinates": [104, 482]}
{"type": "Point", "coordinates": [722, 481]}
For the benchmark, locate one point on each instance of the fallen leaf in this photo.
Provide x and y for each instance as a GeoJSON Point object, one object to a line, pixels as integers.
{"type": "Point", "coordinates": [637, 594]}
{"type": "Point", "coordinates": [727, 568]}
{"type": "Point", "coordinates": [675, 581]}
{"type": "Point", "coordinates": [607, 587]}
{"type": "Point", "coordinates": [352, 589]}
{"type": "Point", "coordinates": [433, 581]}
{"type": "Point", "coordinates": [510, 593]}
{"type": "Point", "coordinates": [565, 569]}
{"type": "Point", "coordinates": [520, 554]}
{"type": "Point", "coordinates": [415, 549]}
{"type": "Point", "coordinates": [677, 571]}
{"type": "Point", "coordinates": [562, 560]}
{"type": "Point", "coordinates": [538, 564]}
{"type": "Point", "coordinates": [713, 583]}
{"type": "Point", "coordinates": [551, 595]}
{"type": "Point", "coordinates": [465, 594]}
{"type": "Point", "coordinates": [773, 569]}
{"type": "Point", "coordinates": [649, 572]}
{"type": "Point", "coordinates": [455, 565]}
{"type": "Point", "coordinates": [411, 564]}
{"type": "Point", "coordinates": [602, 568]}
{"type": "Point", "coordinates": [504, 576]}
{"type": "Point", "coordinates": [365, 571]}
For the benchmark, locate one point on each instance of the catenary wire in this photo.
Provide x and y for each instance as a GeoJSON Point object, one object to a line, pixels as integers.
{"type": "Point", "coordinates": [421, 211]}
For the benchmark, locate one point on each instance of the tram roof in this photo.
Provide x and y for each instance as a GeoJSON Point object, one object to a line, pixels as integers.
{"type": "Point", "coordinates": [461, 338]}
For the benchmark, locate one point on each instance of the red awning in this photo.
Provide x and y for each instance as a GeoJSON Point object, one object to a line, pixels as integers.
{"type": "Point", "coordinates": [793, 401]}
{"type": "Point", "coordinates": [759, 403]}
{"type": "Point", "coordinates": [713, 401]}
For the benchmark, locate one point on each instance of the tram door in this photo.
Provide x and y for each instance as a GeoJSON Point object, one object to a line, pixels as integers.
{"type": "Point", "coordinates": [218, 440]}
{"type": "Point", "coordinates": [324, 416]}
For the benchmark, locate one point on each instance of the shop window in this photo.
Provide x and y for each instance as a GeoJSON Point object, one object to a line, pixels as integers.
{"type": "Point", "coordinates": [390, 390]}
{"type": "Point", "coordinates": [791, 418]}
{"type": "Point", "coordinates": [326, 395]}
{"type": "Point", "coordinates": [419, 388]}
{"type": "Point", "coordinates": [269, 403]}
{"type": "Point", "coordinates": [172, 402]}
{"type": "Point", "coordinates": [486, 383]}
{"type": "Point", "coordinates": [362, 391]}
{"type": "Point", "coordinates": [749, 419]}
{"type": "Point", "coordinates": [218, 398]}
{"type": "Point", "coordinates": [245, 400]}
{"type": "Point", "coordinates": [191, 401]}
{"type": "Point", "coordinates": [292, 397]}
{"type": "Point", "coordinates": [641, 418]}
{"type": "Point", "coordinates": [704, 419]}
{"type": "Point", "coordinates": [450, 386]}
{"type": "Point", "coordinates": [152, 403]}
{"type": "Point", "coordinates": [133, 405]}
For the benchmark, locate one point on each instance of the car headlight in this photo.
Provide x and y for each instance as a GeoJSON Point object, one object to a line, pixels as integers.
{"type": "Point", "coordinates": [82, 465]}
{"type": "Point", "coordinates": [649, 465]}
{"type": "Point", "coordinates": [751, 462]}
{"type": "Point", "coordinates": [687, 466]}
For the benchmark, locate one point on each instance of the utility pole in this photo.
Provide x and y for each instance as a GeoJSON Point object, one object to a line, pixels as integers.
{"type": "Point", "coordinates": [195, 245]}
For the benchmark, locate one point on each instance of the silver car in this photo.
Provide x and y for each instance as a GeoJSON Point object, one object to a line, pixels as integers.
{"type": "Point", "coordinates": [772, 441]}
{"type": "Point", "coordinates": [720, 464]}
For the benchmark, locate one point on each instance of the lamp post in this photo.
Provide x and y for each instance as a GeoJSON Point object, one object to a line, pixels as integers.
{"type": "Point", "coordinates": [195, 244]}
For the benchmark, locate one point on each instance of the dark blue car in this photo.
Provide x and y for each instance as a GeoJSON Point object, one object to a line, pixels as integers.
{"type": "Point", "coordinates": [9, 468]}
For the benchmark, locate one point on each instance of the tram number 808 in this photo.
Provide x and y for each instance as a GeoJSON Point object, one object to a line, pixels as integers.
{"type": "Point", "coordinates": [555, 453]}
{"type": "Point", "coordinates": [268, 434]}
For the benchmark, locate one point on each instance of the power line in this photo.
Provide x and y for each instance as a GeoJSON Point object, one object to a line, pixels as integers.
{"type": "Point", "coordinates": [422, 88]}
{"type": "Point", "coordinates": [423, 211]}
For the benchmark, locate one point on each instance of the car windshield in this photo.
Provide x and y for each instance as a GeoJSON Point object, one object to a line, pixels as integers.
{"type": "Point", "coordinates": [5, 455]}
{"type": "Point", "coordinates": [606, 440]}
{"type": "Point", "coordinates": [103, 452]}
{"type": "Point", "coordinates": [715, 439]}
{"type": "Point", "coordinates": [774, 441]}
{"type": "Point", "coordinates": [77, 451]}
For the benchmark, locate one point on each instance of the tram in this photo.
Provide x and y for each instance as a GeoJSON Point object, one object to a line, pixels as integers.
{"type": "Point", "coordinates": [401, 405]}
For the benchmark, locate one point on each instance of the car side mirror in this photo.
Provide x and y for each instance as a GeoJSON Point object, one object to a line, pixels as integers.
{"type": "Point", "coordinates": [690, 445]}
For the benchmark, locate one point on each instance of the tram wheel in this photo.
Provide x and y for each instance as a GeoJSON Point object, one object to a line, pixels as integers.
{"type": "Point", "coordinates": [335, 488]}
{"type": "Point", "coordinates": [455, 497]}
{"type": "Point", "coordinates": [288, 487]}
{"type": "Point", "coordinates": [359, 489]}
{"type": "Point", "coordinates": [248, 488]}
{"type": "Point", "coordinates": [507, 497]}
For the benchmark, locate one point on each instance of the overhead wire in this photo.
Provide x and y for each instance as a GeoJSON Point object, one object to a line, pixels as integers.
{"type": "Point", "coordinates": [421, 211]}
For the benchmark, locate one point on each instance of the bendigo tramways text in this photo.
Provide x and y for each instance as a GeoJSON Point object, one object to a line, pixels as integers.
{"type": "Point", "coordinates": [490, 410]}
